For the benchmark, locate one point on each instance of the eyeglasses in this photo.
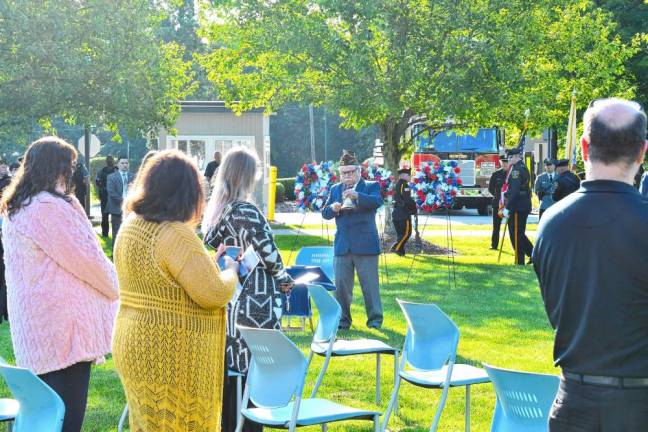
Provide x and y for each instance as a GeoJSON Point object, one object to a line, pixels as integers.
{"type": "Point", "coordinates": [348, 172]}
{"type": "Point", "coordinates": [634, 104]}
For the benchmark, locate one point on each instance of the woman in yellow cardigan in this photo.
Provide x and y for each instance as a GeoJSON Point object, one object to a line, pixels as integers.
{"type": "Point", "coordinates": [169, 339]}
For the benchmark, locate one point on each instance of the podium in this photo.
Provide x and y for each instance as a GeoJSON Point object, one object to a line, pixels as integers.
{"type": "Point", "coordinates": [298, 305]}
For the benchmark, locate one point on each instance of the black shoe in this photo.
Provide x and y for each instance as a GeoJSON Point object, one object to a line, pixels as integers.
{"type": "Point", "coordinates": [493, 248]}
{"type": "Point", "coordinates": [399, 253]}
{"type": "Point", "coordinates": [374, 326]}
{"type": "Point", "coordinates": [529, 262]}
{"type": "Point", "coordinates": [344, 328]}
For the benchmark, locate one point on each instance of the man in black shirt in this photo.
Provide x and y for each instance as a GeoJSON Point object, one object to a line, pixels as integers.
{"type": "Point", "coordinates": [101, 182]}
{"type": "Point", "coordinates": [518, 205]}
{"type": "Point", "coordinates": [212, 166]}
{"type": "Point", "coordinates": [566, 183]}
{"type": "Point", "coordinates": [404, 208]}
{"type": "Point", "coordinates": [495, 188]}
{"type": "Point", "coordinates": [590, 259]}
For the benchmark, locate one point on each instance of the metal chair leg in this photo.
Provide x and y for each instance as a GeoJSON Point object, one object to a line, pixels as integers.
{"type": "Point", "coordinates": [324, 427]}
{"type": "Point", "coordinates": [468, 408]}
{"type": "Point", "coordinates": [377, 423]}
{"type": "Point", "coordinates": [392, 402]}
{"type": "Point", "coordinates": [437, 416]}
{"type": "Point", "coordinates": [396, 377]}
{"type": "Point", "coordinates": [122, 419]}
{"type": "Point", "coordinates": [378, 378]}
{"type": "Point", "coordinates": [320, 377]}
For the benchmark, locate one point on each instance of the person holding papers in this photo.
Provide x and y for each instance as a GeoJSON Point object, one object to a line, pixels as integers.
{"type": "Point", "coordinates": [232, 220]}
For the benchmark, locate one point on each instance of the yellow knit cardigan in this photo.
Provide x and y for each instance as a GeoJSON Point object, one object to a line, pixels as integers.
{"type": "Point", "coordinates": [169, 338]}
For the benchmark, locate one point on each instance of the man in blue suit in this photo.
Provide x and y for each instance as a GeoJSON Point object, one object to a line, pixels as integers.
{"type": "Point", "coordinates": [353, 203]}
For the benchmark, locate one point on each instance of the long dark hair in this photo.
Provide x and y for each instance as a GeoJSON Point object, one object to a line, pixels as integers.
{"type": "Point", "coordinates": [47, 162]}
{"type": "Point", "coordinates": [167, 188]}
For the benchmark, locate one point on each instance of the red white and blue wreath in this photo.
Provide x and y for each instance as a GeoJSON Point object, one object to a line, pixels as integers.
{"type": "Point", "coordinates": [371, 171]}
{"type": "Point", "coordinates": [436, 184]}
{"type": "Point", "coordinates": [312, 185]}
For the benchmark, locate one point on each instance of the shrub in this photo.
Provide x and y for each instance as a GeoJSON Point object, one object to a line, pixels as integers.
{"type": "Point", "coordinates": [289, 187]}
{"type": "Point", "coordinates": [280, 193]}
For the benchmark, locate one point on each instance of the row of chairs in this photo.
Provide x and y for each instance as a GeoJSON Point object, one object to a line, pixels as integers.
{"type": "Point", "coordinates": [276, 378]}
{"type": "Point", "coordinates": [278, 371]}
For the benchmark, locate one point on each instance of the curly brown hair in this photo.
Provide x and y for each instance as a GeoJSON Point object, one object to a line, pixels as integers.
{"type": "Point", "coordinates": [48, 163]}
{"type": "Point", "coordinates": [167, 188]}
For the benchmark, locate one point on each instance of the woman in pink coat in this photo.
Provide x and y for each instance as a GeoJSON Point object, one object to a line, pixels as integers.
{"type": "Point", "coordinates": [61, 288]}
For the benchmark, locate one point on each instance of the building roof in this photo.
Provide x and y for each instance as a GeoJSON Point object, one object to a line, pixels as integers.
{"type": "Point", "coordinates": [210, 107]}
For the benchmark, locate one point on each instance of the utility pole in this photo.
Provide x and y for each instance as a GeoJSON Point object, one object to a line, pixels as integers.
{"type": "Point", "coordinates": [325, 138]}
{"type": "Point", "coordinates": [312, 132]}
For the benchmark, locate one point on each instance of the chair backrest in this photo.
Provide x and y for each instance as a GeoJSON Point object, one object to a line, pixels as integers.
{"type": "Point", "coordinates": [329, 314]}
{"type": "Point", "coordinates": [317, 256]}
{"type": "Point", "coordinates": [41, 409]}
{"type": "Point", "coordinates": [277, 370]}
{"type": "Point", "coordinates": [523, 399]}
{"type": "Point", "coordinates": [432, 337]}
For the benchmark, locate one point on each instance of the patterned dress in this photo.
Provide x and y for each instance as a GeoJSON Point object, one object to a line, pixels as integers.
{"type": "Point", "coordinates": [260, 301]}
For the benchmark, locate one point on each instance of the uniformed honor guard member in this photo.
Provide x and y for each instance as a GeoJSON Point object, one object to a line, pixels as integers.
{"type": "Point", "coordinates": [404, 208]}
{"type": "Point", "coordinates": [495, 188]}
{"type": "Point", "coordinates": [567, 182]}
{"type": "Point", "coordinates": [518, 205]}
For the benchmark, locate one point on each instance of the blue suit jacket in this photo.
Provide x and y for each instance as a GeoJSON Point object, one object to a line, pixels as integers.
{"type": "Point", "coordinates": [356, 230]}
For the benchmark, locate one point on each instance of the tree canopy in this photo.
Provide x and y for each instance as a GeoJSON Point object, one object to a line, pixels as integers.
{"type": "Point", "coordinates": [385, 62]}
{"type": "Point", "coordinates": [90, 62]}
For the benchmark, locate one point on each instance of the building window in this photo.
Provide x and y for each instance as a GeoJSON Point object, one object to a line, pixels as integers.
{"type": "Point", "coordinates": [201, 148]}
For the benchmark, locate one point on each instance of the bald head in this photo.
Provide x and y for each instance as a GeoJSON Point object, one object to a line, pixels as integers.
{"type": "Point", "coordinates": [615, 131]}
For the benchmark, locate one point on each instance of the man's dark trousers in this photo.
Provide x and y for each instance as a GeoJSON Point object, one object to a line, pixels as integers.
{"type": "Point", "coordinates": [497, 224]}
{"type": "Point", "coordinates": [585, 407]}
{"type": "Point", "coordinates": [116, 223]}
{"type": "Point", "coordinates": [517, 231]}
{"type": "Point", "coordinates": [403, 229]}
{"type": "Point", "coordinates": [105, 216]}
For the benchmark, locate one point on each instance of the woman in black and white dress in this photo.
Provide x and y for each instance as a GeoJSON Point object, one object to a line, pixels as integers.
{"type": "Point", "coordinates": [231, 219]}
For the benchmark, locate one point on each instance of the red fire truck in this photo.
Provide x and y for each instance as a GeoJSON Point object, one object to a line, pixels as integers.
{"type": "Point", "coordinates": [477, 156]}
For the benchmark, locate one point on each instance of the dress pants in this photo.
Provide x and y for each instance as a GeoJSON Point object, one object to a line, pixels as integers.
{"type": "Point", "coordinates": [403, 232]}
{"type": "Point", "coordinates": [116, 220]}
{"type": "Point", "coordinates": [71, 384]}
{"type": "Point", "coordinates": [517, 231]}
{"type": "Point", "coordinates": [592, 408]}
{"type": "Point", "coordinates": [367, 268]}
{"type": "Point", "coordinates": [497, 224]}
{"type": "Point", "coordinates": [105, 226]}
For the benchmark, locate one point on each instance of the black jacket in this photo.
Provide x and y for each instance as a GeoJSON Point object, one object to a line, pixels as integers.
{"type": "Point", "coordinates": [495, 186]}
{"type": "Point", "coordinates": [566, 183]}
{"type": "Point", "coordinates": [518, 195]}
{"type": "Point", "coordinates": [404, 205]}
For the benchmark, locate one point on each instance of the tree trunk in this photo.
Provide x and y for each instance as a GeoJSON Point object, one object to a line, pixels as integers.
{"type": "Point", "coordinates": [392, 133]}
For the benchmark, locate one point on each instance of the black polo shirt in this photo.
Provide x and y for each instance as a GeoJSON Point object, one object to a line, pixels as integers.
{"type": "Point", "coordinates": [591, 259]}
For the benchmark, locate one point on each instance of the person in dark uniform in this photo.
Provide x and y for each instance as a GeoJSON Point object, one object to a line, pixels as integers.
{"type": "Point", "coordinates": [101, 183]}
{"type": "Point", "coordinates": [567, 182]}
{"type": "Point", "coordinates": [5, 179]}
{"type": "Point", "coordinates": [495, 188]}
{"type": "Point", "coordinates": [404, 208]}
{"type": "Point", "coordinates": [518, 205]}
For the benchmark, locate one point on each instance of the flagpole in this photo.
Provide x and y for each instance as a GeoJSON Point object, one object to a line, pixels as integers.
{"type": "Point", "coordinates": [570, 148]}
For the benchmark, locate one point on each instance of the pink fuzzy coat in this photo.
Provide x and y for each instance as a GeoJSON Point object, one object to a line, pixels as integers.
{"type": "Point", "coordinates": [61, 289]}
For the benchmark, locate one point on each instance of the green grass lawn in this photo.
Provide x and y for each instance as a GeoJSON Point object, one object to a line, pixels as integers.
{"type": "Point", "coordinates": [497, 307]}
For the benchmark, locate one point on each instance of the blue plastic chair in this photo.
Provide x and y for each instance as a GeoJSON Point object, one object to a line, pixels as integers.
{"type": "Point", "coordinates": [230, 373]}
{"type": "Point", "coordinates": [300, 306]}
{"type": "Point", "coordinates": [429, 356]}
{"type": "Point", "coordinates": [40, 408]}
{"type": "Point", "coordinates": [275, 384]}
{"type": "Point", "coordinates": [324, 341]}
{"type": "Point", "coordinates": [523, 399]}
